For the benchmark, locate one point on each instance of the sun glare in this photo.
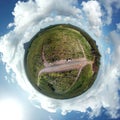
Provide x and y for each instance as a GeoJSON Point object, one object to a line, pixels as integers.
{"type": "Point", "coordinates": [10, 110]}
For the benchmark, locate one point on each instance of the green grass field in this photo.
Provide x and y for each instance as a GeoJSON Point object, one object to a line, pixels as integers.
{"type": "Point", "coordinates": [61, 42]}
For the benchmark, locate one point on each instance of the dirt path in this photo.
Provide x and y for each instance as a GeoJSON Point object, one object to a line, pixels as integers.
{"type": "Point", "coordinates": [82, 50]}
{"type": "Point", "coordinates": [64, 65]}
{"type": "Point", "coordinates": [46, 64]}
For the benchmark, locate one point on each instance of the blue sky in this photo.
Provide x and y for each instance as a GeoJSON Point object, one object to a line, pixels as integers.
{"type": "Point", "coordinates": [102, 23]}
{"type": "Point", "coordinates": [6, 8]}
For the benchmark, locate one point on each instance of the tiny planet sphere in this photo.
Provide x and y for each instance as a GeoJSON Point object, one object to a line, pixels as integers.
{"type": "Point", "coordinates": [62, 61]}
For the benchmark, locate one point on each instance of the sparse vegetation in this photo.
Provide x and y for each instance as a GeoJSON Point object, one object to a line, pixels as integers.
{"type": "Point", "coordinates": [62, 42]}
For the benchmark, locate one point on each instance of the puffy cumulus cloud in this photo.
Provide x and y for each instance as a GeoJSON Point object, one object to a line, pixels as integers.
{"type": "Point", "coordinates": [115, 37]}
{"type": "Point", "coordinates": [118, 26]}
{"type": "Point", "coordinates": [108, 51]}
{"type": "Point", "coordinates": [34, 11]}
{"type": "Point", "coordinates": [31, 16]}
{"type": "Point", "coordinates": [109, 5]}
{"type": "Point", "coordinates": [93, 13]}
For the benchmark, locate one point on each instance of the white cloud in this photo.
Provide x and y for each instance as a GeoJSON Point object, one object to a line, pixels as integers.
{"type": "Point", "coordinates": [118, 26]}
{"type": "Point", "coordinates": [109, 5]}
{"type": "Point", "coordinates": [115, 37]}
{"type": "Point", "coordinates": [93, 13]}
{"type": "Point", "coordinates": [108, 51]}
{"type": "Point", "coordinates": [33, 12]}
{"type": "Point", "coordinates": [50, 118]}
{"type": "Point", "coordinates": [29, 17]}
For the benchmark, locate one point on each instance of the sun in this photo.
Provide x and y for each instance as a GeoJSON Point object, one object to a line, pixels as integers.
{"type": "Point", "coordinates": [10, 109]}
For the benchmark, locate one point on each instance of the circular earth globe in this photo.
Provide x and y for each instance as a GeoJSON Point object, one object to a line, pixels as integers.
{"type": "Point", "coordinates": [62, 61]}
